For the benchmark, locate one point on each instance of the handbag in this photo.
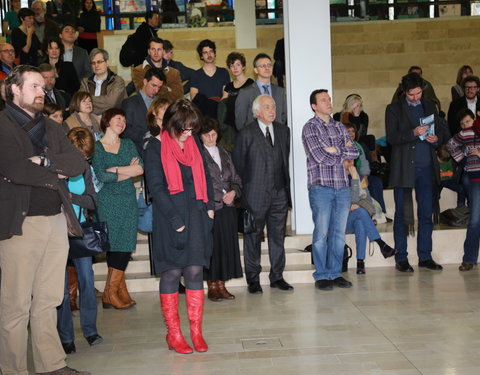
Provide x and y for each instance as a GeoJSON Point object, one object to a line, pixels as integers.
{"type": "Point", "coordinates": [245, 220]}
{"type": "Point", "coordinates": [94, 240]}
{"type": "Point", "coordinates": [145, 214]}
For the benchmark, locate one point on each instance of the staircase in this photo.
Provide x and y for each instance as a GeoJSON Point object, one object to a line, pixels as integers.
{"type": "Point", "coordinates": [448, 249]}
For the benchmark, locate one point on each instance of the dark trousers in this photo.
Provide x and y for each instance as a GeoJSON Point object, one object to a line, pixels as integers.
{"type": "Point", "coordinates": [274, 215]}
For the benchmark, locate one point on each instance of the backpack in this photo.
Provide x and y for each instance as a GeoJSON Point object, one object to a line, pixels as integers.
{"type": "Point", "coordinates": [128, 52]}
{"type": "Point", "coordinates": [455, 217]}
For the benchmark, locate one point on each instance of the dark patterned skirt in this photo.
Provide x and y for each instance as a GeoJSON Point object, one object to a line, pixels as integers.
{"type": "Point", "coordinates": [225, 263]}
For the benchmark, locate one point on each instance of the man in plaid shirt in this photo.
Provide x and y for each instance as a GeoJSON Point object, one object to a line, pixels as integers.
{"type": "Point", "coordinates": [329, 152]}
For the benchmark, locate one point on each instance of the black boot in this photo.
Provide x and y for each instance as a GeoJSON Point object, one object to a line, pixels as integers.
{"type": "Point", "coordinates": [386, 250]}
{"type": "Point", "coordinates": [360, 267]}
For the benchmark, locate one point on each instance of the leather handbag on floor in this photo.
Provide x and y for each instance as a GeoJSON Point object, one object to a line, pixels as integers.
{"type": "Point", "coordinates": [347, 254]}
{"type": "Point", "coordinates": [94, 241]}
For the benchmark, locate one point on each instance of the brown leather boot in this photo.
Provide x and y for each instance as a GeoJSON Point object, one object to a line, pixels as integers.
{"type": "Point", "coordinates": [213, 292]}
{"type": "Point", "coordinates": [72, 288]}
{"type": "Point", "coordinates": [223, 291]}
{"type": "Point", "coordinates": [123, 292]}
{"type": "Point", "coordinates": [110, 294]}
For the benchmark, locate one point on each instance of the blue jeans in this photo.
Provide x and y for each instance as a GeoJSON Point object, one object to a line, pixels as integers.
{"type": "Point", "coordinates": [330, 209]}
{"type": "Point", "coordinates": [375, 187]}
{"type": "Point", "coordinates": [88, 303]}
{"type": "Point", "coordinates": [424, 195]}
{"type": "Point", "coordinates": [470, 246]}
{"type": "Point", "coordinates": [360, 223]}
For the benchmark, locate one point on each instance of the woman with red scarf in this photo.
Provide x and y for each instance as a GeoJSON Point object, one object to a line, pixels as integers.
{"type": "Point", "coordinates": [183, 209]}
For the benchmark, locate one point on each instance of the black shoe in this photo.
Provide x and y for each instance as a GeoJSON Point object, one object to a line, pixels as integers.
{"type": "Point", "coordinates": [342, 283]}
{"type": "Point", "coordinates": [404, 266]}
{"type": "Point", "coordinates": [430, 264]}
{"type": "Point", "coordinates": [360, 267]}
{"type": "Point", "coordinates": [94, 339]}
{"type": "Point", "coordinates": [69, 348]}
{"type": "Point", "coordinates": [387, 251]}
{"type": "Point", "coordinates": [324, 284]}
{"type": "Point", "coordinates": [181, 288]}
{"type": "Point", "coordinates": [255, 288]}
{"type": "Point", "coordinates": [281, 284]}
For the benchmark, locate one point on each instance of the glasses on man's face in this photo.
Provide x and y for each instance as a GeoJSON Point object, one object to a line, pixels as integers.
{"type": "Point", "coordinates": [8, 50]}
{"type": "Point", "coordinates": [186, 130]}
{"type": "Point", "coordinates": [470, 87]}
{"type": "Point", "coordinates": [98, 62]}
{"type": "Point", "coordinates": [265, 66]}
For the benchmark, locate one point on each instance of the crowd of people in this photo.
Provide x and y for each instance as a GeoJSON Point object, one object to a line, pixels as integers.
{"type": "Point", "coordinates": [74, 140]}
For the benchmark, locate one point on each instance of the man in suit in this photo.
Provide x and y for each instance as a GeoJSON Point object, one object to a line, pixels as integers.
{"type": "Point", "coordinates": [471, 86]}
{"type": "Point", "coordinates": [414, 165]}
{"type": "Point", "coordinates": [77, 55]}
{"type": "Point", "coordinates": [261, 158]}
{"type": "Point", "coordinates": [52, 95]}
{"type": "Point", "coordinates": [136, 106]}
{"type": "Point", "coordinates": [263, 68]}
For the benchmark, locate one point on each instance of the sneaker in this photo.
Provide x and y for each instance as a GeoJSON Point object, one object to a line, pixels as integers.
{"type": "Point", "coordinates": [94, 339]}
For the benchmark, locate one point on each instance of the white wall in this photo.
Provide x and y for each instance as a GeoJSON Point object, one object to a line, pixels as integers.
{"type": "Point", "coordinates": [309, 67]}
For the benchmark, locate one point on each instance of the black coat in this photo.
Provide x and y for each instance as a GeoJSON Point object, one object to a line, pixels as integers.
{"type": "Point", "coordinates": [399, 129]}
{"type": "Point", "coordinates": [192, 246]}
{"type": "Point", "coordinates": [136, 112]}
{"type": "Point", "coordinates": [141, 37]}
{"type": "Point", "coordinates": [455, 107]}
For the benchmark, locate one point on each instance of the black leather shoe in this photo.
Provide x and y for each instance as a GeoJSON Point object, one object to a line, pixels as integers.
{"type": "Point", "coordinates": [281, 284]}
{"type": "Point", "coordinates": [404, 266]}
{"type": "Point", "coordinates": [430, 264]}
{"type": "Point", "coordinates": [324, 284]}
{"type": "Point", "coordinates": [69, 348]}
{"type": "Point", "coordinates": [94, 339]}
{"type": "Point", "coordinates": [342, 283]}
{"type": "Point", "coordinates": [255, 288]}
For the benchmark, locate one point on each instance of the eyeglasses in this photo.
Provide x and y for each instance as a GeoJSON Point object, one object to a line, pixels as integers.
{"type": "Point", "coordinates": [265, 66]}
{"type": "Point", "coordinates": [470, 87]}
{"type": "Point", "coordinates": [8, 50]}
{"type": "Point", "coordinates": [186, 130]}
{"type": "Point", "coordinates": [97, 62]}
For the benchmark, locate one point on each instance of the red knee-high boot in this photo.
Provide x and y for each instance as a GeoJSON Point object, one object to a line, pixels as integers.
{"type": "Point", "coordinates": [175, 339]}
{"type": "Point", "coordinates": [195, 300]}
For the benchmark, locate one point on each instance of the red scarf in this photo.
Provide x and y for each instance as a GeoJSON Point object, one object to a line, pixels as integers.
{"type": "Point", "coordinates": [172, 154]}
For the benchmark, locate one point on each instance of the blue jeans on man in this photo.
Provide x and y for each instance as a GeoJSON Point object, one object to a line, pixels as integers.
{"type": "Point", "coordinates": [471, 244]}
{"type": "Point", "coordinates": [424, 196]}
{"type": "Point", "coordinates": [330, 209]}
{"type": "Point", "coordinates": [88, 303]}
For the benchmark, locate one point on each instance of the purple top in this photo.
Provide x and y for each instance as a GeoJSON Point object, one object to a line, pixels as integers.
{"type": "Point", "coordinates": [326, 168]}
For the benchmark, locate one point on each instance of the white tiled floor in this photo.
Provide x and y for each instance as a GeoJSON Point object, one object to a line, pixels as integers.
{"type": "Point", "coordinates": [388, 323]}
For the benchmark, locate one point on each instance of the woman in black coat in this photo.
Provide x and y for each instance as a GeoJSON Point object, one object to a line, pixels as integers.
{"type": "Point", "coordinates": [225, 263]}
{"type": "Point", "coordinates": [88, 25]}
{"type": "Point", "coordinates": [183, 210]}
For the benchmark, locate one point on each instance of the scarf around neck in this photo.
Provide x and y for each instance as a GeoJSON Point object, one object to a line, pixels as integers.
{"type": "Point", "coordinates": [34, 127]}
{"type": "Point", "coordinates": [171, 155]}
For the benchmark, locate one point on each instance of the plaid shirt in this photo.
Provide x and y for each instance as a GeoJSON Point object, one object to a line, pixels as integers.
{"type": "Point", "coordinates": [325, 168]}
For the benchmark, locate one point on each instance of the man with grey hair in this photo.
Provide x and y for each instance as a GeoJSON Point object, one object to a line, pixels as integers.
{"type": "Point", "coordinates": [260, 156]}
{"type": "Point", "coordinates": [106, 87]}
{"type": "Point", "coordinates": [35, 160]}
{"type": "Point", "coordinates": [44, 27]}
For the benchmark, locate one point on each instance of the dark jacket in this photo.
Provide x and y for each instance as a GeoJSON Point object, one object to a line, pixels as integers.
{"type": "Point", "coordinates": [136, 112]}
{"type": "Point", "coordinates": [90, 21]}
{"type": "Point", "coordinates": [252, 161]}
{"type": "Point", "coordinates": [141, 37]}
{"type": "Point", "coordinates": [399, 131]}
{"type": "Point", "coordinates": [18, 174]}
{"type": "Point", "coordinates": [226, 179]}
{"type": "Point", "coordinates": [455, 107]}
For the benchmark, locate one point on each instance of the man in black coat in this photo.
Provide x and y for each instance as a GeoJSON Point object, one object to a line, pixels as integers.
{"type": "Point", "coordinates": [414, 165]}
{"type": "Point", "coordinates": [53, 95]}
{"type": "Point", "coordinates": [471, 88]}
{"type": "Point", "coordinates": [146, 31]}
{"type": "Point", "coordinates": [261, 158]}
{"type": "Point", "coordinates": [136, 107]}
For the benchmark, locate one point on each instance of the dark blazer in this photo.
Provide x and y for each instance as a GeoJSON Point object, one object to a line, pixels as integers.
{"type": "Point", "coordinates": [136, 112]}
{"type": "Point", "coordinates": [399, 129]}
{"type": "Point", "coordinates": [245, 98]}
{"type": "Point", "coordinates": [81, 62]}
{"type": "Point", "coordinates": [455, 107]}
{"type": "Point", "coordinates": [61, 97]}
{"type": "Point", "coordinates": [18, 174]}
{"type": "Point", "coordinates": [251, 161]}
{"type": "Point", "coordinates": [226, 179]}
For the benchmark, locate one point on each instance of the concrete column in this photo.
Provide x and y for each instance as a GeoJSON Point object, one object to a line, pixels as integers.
{"type": "Point", "coordinates": [245, 24]}
{"type": "Point", "coordinates": [308, 67]}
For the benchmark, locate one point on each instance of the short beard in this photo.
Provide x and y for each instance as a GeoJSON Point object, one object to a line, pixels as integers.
{"type": "Point", "coordinates": [31, 107]}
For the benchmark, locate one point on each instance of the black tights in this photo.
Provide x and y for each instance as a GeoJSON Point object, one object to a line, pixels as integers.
{"type": "Point", "coordinates": [118, 260]}
{"type": "Point", "coordinates": [193, 276]}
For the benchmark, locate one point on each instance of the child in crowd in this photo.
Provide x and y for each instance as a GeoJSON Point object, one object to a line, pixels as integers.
{"type": "Point", "coordinates": [450, 174]}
